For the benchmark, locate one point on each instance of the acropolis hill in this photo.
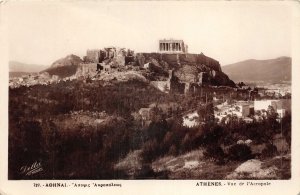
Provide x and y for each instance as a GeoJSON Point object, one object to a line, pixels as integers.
{"type": "Point", "coordinates": [172, 62]}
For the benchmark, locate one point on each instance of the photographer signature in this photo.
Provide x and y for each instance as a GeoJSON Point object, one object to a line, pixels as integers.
{"type": "Point", "coordinates": [34, 168]}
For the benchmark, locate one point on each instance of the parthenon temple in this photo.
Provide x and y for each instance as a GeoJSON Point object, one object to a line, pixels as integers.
{"type": "Point", "coordinates": [172, 46]}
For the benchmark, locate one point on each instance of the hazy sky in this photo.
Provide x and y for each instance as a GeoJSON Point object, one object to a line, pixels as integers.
{"type": "Point", "coordinates": [41, 33]}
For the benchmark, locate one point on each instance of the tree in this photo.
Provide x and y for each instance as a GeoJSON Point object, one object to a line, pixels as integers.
{"type": "Point", "coordinates": [286, 128]}
{"type": "Point", "coordinates": [150, 150]}
{"type": "Point", "coordinates": [241, 84]}
{"type": "Point", "coordinates": [269, 151]}
{"type": "Point", "coordinates": [212, 135]}
{"type": "Point", "coordinates": [215, 152]}
{"type": "Point", "coordinates": [173, 150]}
{"type": "Point", "coordinates": [258, 113]}
{"type": "Point", "coordinates": [240, 152]}
{"type": "Point", "coordinates": [186, 143]}
{"type": "Point", "coordinates": [206, 112]}
{"type": "Point", "coordinates": [156, 114]}
{"type": "Point", "coordinates": [271, 113]}
{"type": "Point", "coordinates": [271, 123]}
{"type": "Point", "coordinates": [157, 130]}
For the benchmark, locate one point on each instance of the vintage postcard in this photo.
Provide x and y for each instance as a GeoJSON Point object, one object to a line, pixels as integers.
{"type": "Point", "coordinates": [158, 97]}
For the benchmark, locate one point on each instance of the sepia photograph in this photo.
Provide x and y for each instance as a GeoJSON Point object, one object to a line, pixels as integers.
{"type": "Point", "coordinates": [168, 90]}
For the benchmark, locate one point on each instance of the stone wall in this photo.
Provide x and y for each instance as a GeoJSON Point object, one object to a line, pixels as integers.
{"type": "Point", "coordinates": [176, 60]}
{"type": "Point", "coordinates": [85, 70]}
{"type": "Point", "coordinates": [118, 56]}
{"type": "Point", "coordinates": [92, 56]}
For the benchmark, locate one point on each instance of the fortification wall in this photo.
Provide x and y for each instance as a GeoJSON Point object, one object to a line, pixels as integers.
{"type": "Point", "coordinates": [175, 60]}
{"type": "Point", "coordinates": [85, 69]}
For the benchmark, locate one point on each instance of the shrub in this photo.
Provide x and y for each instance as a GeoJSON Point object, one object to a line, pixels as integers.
{"type": "Point", "coordinates": [215, 152]}
{"type": "Point", "coordinates": [186, 143]}
{"type": "Point", "coordinates": [269, 151]}
{"type": "Point", "coordinates": [240, 152]}
{"type": "Point", "coordinates": [173, 150]}
{"type": "Point", "coordinates": [150, 150]}
{"type": "Point", "coordinates": [213, 135]}
{"type": "Point", "coordinates": [146, 172]}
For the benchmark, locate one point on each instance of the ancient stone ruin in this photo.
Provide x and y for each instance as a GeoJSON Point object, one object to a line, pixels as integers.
{"type": "Point", "coordinates": [113, 55]}
{"type": "Point", "coordinates": [186, 71]}
{"type": "Point", "coordinates": [172, 46]}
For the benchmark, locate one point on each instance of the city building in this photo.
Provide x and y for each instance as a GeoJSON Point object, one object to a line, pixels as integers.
{"type": "Point", "coordinates": [281, 106]}
{"type": "Point", "coordinates": [244, 109]}
{"type": "Point", "coordinates": [262, 104]}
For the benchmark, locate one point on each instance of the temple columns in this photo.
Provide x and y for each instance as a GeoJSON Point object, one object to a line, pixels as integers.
{"type": "Point", "coordinates": [169, 46]}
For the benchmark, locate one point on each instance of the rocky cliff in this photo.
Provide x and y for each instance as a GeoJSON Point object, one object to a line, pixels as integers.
{"type": "Point", "coordinates": [65, 67]}
{"type": "Point", "coordinates": [187, 67]}
{"type": "Point", "coordinates": [67, 61]}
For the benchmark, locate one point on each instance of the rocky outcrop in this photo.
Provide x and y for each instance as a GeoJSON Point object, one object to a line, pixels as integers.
{"type": "Point", "coordinates": [64, 67]}
{"type": "Point", "coordinates": [253, 169]}
{"type": "Point", "coordinates": [176, 60]}
{"type": "Point", "coordinates": [67, 61]}
{"type": "Point", "coordinates": [187, 67]}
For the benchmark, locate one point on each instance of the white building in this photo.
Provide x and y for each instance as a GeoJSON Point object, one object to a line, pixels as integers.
{"type": "Point", "coordinates": [281, 113]}
{"type": "Point", "coordinates": [280, 106]}
{"type": "Point", "coordinates": [244, 110]}
{"type": "Point", "coordinates": [262, 104]}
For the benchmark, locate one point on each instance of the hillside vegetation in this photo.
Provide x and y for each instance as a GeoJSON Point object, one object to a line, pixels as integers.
{"type": "Point", "coordinates": [115, 124]}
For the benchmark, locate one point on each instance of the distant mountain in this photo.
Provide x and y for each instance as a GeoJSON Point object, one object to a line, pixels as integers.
{"type": "Point", "coordinates": [17, 74]}
{"type": "Point", "coordinates": [20, 67]}
{"type": "Point", "coordinates": [64, 67]}
{"type": "Point", "coordinates": [273, 70]}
